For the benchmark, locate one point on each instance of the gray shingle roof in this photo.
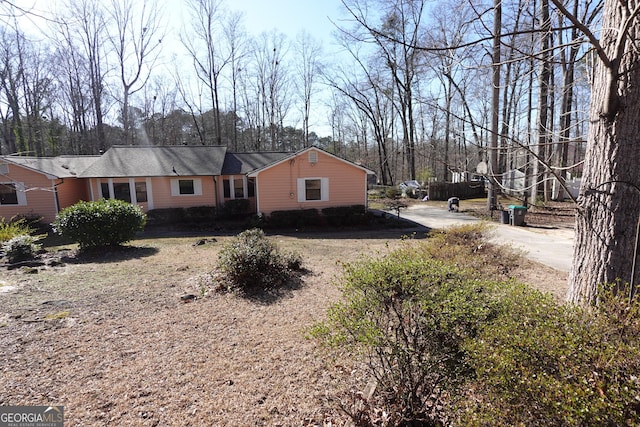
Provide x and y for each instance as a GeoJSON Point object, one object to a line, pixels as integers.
{"type": "Point", "coordinates": [242, 163]}
{"type": "Point", "coordinates": [149, 161]}
{"type": "Point", "coordinates": [60, 167]}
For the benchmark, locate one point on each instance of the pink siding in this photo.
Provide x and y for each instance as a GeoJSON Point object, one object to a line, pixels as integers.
{"type": "Point", "coordinates": [159, 193]}
{"type": "Point", "coordinates": [277, 187]}
{"type": "Point", "coordinates": [71, 191]}
{"type": "Point", "coordinates": [39, 193]}
{"type": "Point", "coordinates": [162, 197]}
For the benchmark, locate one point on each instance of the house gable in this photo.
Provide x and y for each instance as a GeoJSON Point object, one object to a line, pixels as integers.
{"type": "Point", "coordinates": [311, 178]}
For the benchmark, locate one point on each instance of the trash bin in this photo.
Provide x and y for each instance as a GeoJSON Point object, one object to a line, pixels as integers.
{"type": "Point", "coordinates": [516, 214]}
{"type": "Point", "coordinates": [504, 217]}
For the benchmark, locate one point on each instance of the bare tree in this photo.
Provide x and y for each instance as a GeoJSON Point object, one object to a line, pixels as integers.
{"type": "Point", "coordinates": [396, 38]}
{"type": "Point", "coordinates": [307, 66]}
{"type": "Point", "coordinates": [204, 47]}
{"type": "Point", "coordinates": [136, 42]}
{"type": "Point", "coordinates": [11, 76]}
{"type": "Point", "coordinates": [271, 74]}
{"type": "Point", "coordinates": [237, 40]}
{"type": "Point", "coordinates": [83, 31]}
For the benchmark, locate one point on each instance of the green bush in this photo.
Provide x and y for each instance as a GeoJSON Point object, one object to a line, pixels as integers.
{"type": "Point", "coordinates": [393, 193]}
{"type": "Point", "coordinates": [294, 218]}
{"type": "Point", "coordinates": [252, 262]}
{"type": "Point", "coordinates": [345, 215]}
{"type": "Point", "coordinates": [454, 345]}
{"type": "Point", "coordinates": [235, 207]}
{"type": "Point", "coordinates": [14, 227]}
{"type": "Point", "coordinates": [101, 223]}
{"type": "Point", "coordinates": [541, 363]}
{"type": "Point", "coordinates": [410, 316]}
{"type": "Point", "coordinates": [196, 215]}
{"type": "Point", "coordinates": [21, 248]}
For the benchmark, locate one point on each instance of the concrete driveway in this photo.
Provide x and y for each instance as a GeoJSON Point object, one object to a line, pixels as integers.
{"type": "Point", "coordinates": [550, 246]}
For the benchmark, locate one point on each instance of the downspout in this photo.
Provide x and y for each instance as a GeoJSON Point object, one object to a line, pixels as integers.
{"type": "Point", "coordinates": [56, 200]}
{"type": "Point", "coordinates": [215, 191]}
{"type": "Point", "coordinates": [257, 194]}
{"type": "Point", "coordinates": [366, 192]}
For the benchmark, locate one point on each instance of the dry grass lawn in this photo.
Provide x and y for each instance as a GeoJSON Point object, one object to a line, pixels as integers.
{"type": "Point", "coordinates": [109, 337]}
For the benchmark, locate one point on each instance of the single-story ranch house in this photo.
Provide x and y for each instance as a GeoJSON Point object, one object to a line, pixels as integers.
{"type": "Point", "coordinates": [159, 177]}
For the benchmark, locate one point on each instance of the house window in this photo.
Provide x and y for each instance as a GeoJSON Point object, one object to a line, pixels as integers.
{"type": "Point", "coordinates": [235, 185]}
{"type": "Point", "coordinates": [104, 189]}
{"type": "Point", "coordinates": [8, 194]}
{"type": "Point", "coordinates": [238, 189]}
{"type": "Point", "coordinates": [313, 189]}
{"type": "Point", "coordinates": [121, 191]}
{"type": "Point", "coordinates": [226, 187]}
{"type": "Point", "coordinates": [186, 187]}
{"type": "Point", "coordinates": [141, 192]}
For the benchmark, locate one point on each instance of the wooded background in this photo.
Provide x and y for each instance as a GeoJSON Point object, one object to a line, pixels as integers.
{"type": "Point", "coordinates": [405, 90]}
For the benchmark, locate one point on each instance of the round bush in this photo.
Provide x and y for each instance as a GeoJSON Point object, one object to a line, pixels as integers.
{"type": "Point", "coordinates": [252, 262]}
{"type": "Point", "coordinates": [103, 223]}
{"type": "Point", "coordinates": [21, 248]}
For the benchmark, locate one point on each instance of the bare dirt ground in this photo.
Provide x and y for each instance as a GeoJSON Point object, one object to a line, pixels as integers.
{"type": "Point", "coordinates": [110, 339]}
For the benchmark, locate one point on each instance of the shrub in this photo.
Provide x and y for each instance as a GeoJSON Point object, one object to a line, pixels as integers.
{"type": "Point", "coordinates": [409, 316]}
{"type": "Point", "coordinates": [21, 248]}
{"type": "Point", "coordinates": [252, 262]}
{"type": "Point", "coordinates": [200, 214]}
{"type": "Point", "coordinates": [235, 207]}
{"type": "Point", "coordinates": [543, 363]}
{"type": "Point", "coordinates": [393, 193]}
{"type": "Point", "coordinates": [196, 215]}
{"type": "Point", "coordinates": [101, 223]}
{"type": "Point", "coordinates": [345, 215]}
{"type": "Point", "coordinates": [449, 346]}
{"type": "Point", "coordinates": [14, 227]}
{"type": "Point", "coordinates": [294, 218]}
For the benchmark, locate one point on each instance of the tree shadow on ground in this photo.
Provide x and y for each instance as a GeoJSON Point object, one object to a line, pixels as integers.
{"type": "Point", "coordinates": [108, 254]}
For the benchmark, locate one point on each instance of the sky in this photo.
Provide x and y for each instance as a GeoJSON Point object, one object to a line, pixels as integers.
{"type": "Point", "coordinates": [289, 17]}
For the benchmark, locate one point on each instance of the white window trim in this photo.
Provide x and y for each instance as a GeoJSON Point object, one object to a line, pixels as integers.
{"type": "Point", "coordinates": [175, 187]}
{"type": "Point", "coordinates": [109, 183]}
{"type": "Point", "coordinates": [21, 194]}
{"type": "Point", "coordinates": [324, 189]}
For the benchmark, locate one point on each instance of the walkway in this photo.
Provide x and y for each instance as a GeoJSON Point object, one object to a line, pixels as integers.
{"type": "Point", "coordinates": [550, 246]}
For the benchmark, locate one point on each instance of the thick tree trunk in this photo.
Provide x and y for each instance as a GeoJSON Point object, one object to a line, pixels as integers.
{"type": "Point", "coordinates": [608, 206]}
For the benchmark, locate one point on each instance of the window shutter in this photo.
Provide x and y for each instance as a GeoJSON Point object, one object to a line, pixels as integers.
{"type": "Point", "coordinates": [324, 189]}
{"type": "Point", "coordinates": [175, 187]}
{"type": "Point", "coordinates": [301, 190]}
{"type": "Point", "coordinates": [197, 187]}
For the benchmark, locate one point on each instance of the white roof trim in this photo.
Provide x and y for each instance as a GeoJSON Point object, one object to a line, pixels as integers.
{"type": "Point", "coordinates": [305, 150]}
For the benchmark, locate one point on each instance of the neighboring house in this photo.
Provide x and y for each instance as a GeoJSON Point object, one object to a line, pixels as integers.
{"type": "Point", "coordinates": [38, 187]}
{"type": "Point", "coordinates": [159, 177]}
